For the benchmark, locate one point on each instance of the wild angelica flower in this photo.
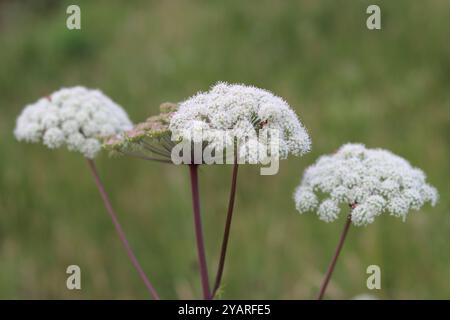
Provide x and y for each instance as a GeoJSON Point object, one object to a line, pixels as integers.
{"type": "Point", "coordinates": [73, 117]}
{"type": "Point", "coordinates": [79, 118]}
{"type": "Point", "coordinates": [253, 123]}
{"type": "Point", "coordinates": [241, 112]}
{"type": "Point", "coordinates": [371, 181]}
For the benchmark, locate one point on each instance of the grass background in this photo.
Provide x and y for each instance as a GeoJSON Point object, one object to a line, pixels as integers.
{"type": "Point", "coordinates": [387, 88]}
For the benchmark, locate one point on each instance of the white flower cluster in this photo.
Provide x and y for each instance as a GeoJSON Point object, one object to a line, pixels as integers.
{"type": "Point", "coordinates": [371, 181]}
{"type": "Point", "coordinates": [75, 117]}
{"type": "Point", "coordinates": [227, 113]}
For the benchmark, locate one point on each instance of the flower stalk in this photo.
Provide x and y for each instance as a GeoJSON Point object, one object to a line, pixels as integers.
{"type": "Point", "coordinates": [330, 270]}
{"type": "Point", "coordinates": [226, 233]}
{"type": "Point", "coordinates": [193, 170]}
{"type": "Point", "coordinates": [120, 231]}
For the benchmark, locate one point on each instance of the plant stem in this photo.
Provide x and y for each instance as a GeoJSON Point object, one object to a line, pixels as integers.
{"type": "Point", "coordinates": [226, 233]}
{"type": "Point", "coordinates": [330, 270]}
{"type": "Point", "coordinates": [193, 170]}
{"type": "Point", "coordinates": [120, 231]}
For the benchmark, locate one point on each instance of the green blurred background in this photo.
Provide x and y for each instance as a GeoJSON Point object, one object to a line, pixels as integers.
{"type": "Point", "coordinates": [387, 88]}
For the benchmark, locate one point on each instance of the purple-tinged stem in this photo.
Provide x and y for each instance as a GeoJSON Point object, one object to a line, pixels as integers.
{"type": "Point", "coordinates": [226, 233]}
{"type": "Point", "coordinates": [193, 170]}
{"type": "Point", "coordinates": [120, 231]}
{"type": "Point", "coordinates": [330, 270]}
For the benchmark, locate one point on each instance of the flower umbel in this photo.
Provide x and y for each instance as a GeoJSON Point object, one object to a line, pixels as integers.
{"type": "Point", "coordinates": [371, 181]}
{"type": "Point", "coordinates": [73, 117]}
{"type": "Point", "coordinates": [242, 112]}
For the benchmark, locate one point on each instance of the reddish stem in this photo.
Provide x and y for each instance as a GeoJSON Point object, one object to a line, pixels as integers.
{"type": "Point", "coordinates": [120, 231]}
{"type": "Point", "coordinates": [193, 170]}
{"type": "Point", "coordinates": [330, 270]}
{"type": "Point", "coordinates": [226, 233]}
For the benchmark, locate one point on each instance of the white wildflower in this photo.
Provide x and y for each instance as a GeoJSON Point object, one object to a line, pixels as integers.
{"type": "Point", "coordinates": [75, 117]}
{"type": "Point", "coordinates": [245, 111]}
{"type": "Point", "coordinates": [371, 181]}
